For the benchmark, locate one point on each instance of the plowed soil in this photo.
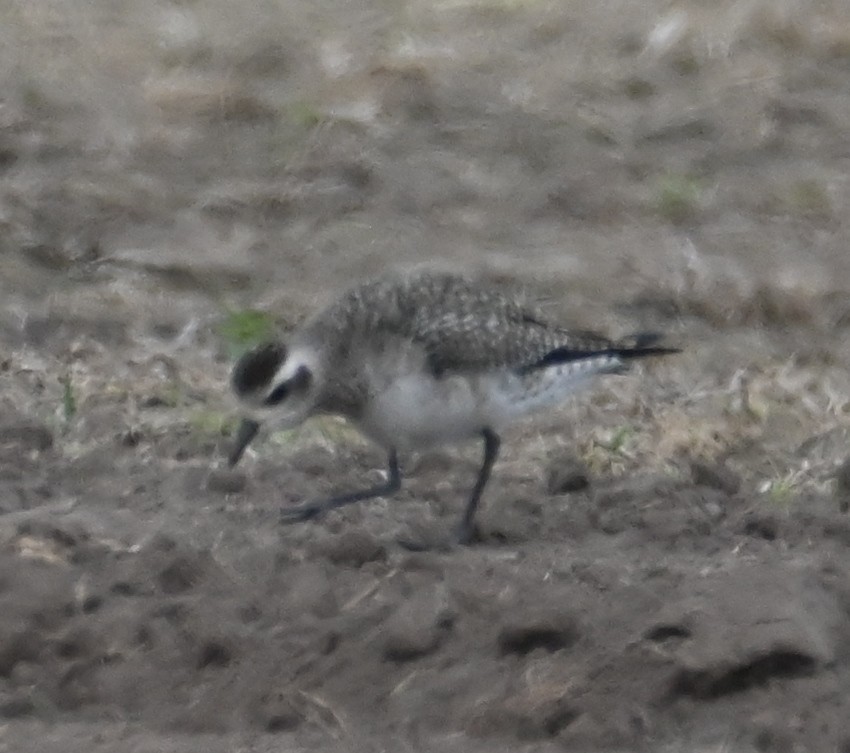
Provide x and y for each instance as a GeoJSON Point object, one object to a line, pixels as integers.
{"type": "Point", "coordinates": [662, 564]}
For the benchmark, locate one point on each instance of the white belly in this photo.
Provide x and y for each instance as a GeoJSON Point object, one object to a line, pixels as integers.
{"type": "Point", "coordinates": [418, 410]}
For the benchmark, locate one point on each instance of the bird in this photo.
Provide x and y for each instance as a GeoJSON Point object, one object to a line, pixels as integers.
{"type": "Point", "coordinates": [420, 359]}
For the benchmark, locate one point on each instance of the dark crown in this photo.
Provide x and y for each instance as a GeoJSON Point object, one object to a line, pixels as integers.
{"type": "Point", "coordinates": [256, 368]}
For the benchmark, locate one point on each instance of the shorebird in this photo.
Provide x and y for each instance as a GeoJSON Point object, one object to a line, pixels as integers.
{"type": "Point", "coordinates": [420, 360]}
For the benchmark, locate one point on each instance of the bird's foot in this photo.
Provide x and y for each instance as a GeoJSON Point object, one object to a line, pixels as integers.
{"type": "Point", "coordinates": [301, 513]}
{"type": "Point", "coordinates": [466, 534]}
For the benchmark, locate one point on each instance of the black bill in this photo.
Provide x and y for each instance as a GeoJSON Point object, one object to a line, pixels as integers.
{"type": "Point", "coordinates": [247, 431]}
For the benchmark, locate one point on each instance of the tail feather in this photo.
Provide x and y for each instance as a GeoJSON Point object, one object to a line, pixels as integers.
{"type": "Point", "coordinates": [641, 345]}
{"type": "Point", "coordinates": [644, 352]}
{"type": "Point", "coordinates": [639, 340]}
{"type": "Point", "coordinates": [635, 346]}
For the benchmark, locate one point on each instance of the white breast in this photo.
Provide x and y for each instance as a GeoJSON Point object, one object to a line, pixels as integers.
{"type": "Point", "coordinates": [417, 410]}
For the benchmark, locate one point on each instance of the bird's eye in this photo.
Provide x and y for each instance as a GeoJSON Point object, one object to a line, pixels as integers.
{"type": "Point", "coordinates": [298, 383]}
{"type": "Point", "coordinates": [278, 394]}
{"type": "Point", "coordinates": [302, 380]}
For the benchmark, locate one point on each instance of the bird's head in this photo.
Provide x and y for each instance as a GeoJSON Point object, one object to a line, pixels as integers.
{"type": "Point", "coordinates": [273, 383]}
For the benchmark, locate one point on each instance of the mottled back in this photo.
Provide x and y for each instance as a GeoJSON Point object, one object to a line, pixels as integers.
{"type": "Point", "coordinates": [462, 326]}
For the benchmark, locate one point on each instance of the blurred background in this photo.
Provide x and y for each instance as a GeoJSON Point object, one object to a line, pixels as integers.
{"type": "Point", "coordinates": [691, 153]}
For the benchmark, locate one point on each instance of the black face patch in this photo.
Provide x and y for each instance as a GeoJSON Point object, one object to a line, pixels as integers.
{"type": "Point", "coordinates": [278, 394]}
{"type": "Point", "coordinates": [298, 382]}
{"type": "Point", "coordinates": [301, 380]}
{"type": "Point", "coordinates": [254, 370]}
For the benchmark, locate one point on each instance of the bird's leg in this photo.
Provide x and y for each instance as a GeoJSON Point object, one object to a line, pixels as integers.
{"type": "Point", "coordinates": [466, 529]}
{"type": "Point", "coordinates": [316, 509]}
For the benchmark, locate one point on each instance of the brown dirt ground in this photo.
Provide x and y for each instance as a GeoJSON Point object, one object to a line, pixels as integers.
{"type": "Point", "coordinates": [676, 166]}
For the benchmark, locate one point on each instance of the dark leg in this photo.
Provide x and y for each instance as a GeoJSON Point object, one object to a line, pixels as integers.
{"type": "Point", "coordinates": [316, 509]}
{"type": "Point", "coordinates": [491, 452]}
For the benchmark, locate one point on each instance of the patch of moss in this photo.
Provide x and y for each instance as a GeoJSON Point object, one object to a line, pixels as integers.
{"type": "Point", "coordinates": [678, 197]}
{"type": "Point", "coordinates": [209, 423]}
{"type": "Point", "coordinates": [242, 329]}
{"type": "Point", "coordinates": [809, 197]}
{"type": "Point", "coordinates": [69, 399]}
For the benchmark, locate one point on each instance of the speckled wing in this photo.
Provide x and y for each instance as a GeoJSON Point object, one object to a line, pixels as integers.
{"type": "Point", "coordinates": [463, 326]}
{"type": "Point", "coordinates": [467, 328]}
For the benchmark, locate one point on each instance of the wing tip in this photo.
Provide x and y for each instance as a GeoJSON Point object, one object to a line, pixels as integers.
{"type": "Point", "coordinates": [643, 344]}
